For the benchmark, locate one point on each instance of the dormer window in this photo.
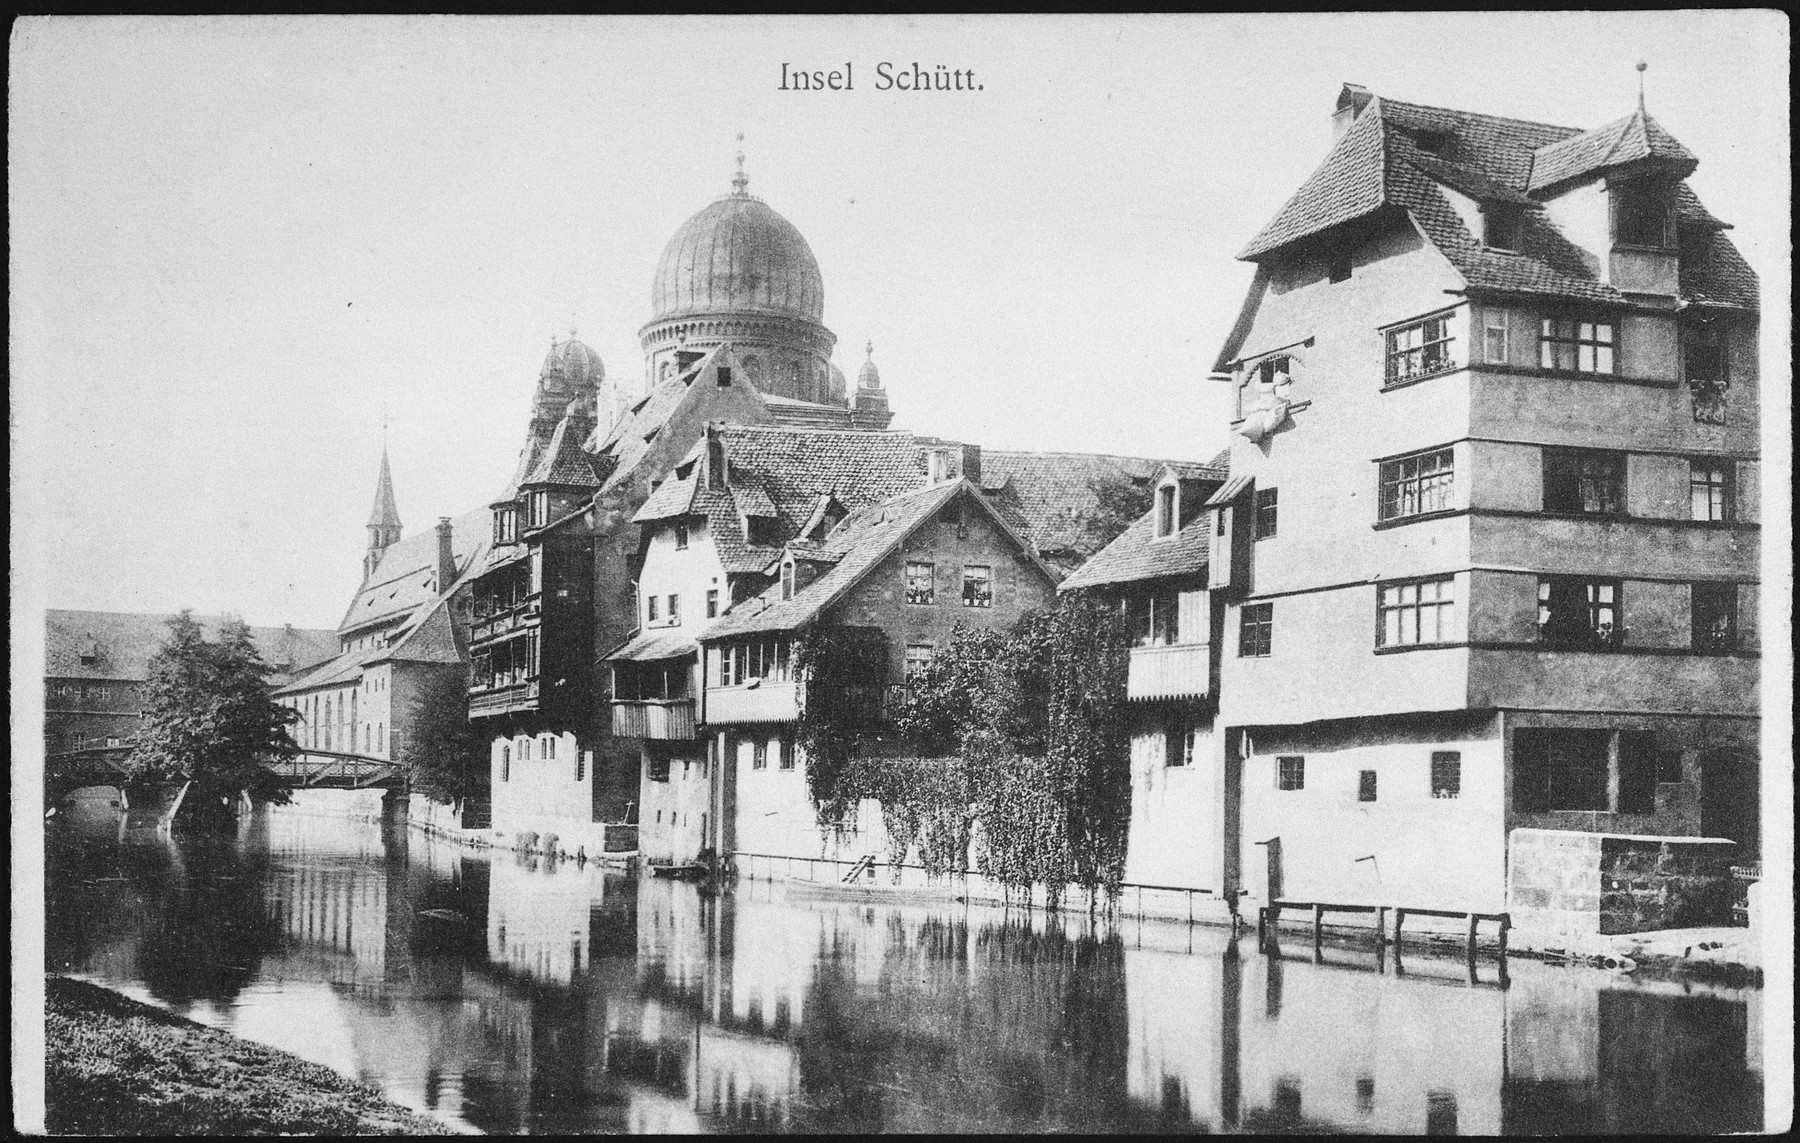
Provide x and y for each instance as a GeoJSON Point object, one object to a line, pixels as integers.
{"type": "Point", "coordinates": [1168, 510]}
{"type": "Point", "coordinates": [1642, 215]}
{"type": "Point", "coordinates": [1500, 226]}
{"type": "Point", "coordinates": [506, 525]}
{"type": "Point", "coordinates": [538, 509]}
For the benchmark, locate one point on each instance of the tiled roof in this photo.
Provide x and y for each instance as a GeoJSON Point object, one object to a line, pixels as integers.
{"type": "Point", "coordinates": [564, 463]}
{"type": "Point", "coordinates": [333, 672]}
{"type": "Point", "coordinates": [861, 540]}
{"type": "Point", "coordinates": [648, 645]}
{"type": "Point", "coordinates": [1138, 555]}
{"type": "Point", "coordinates": [1629, 140]}
{"type": "Point", "coordinates": [430, 639]}
{"type": "Point", "coordinates": [673, 497]}
{"type": "Point", "coordinates": [1046, 496]}
{"type": "Point", "coordinates": [1723, 278]}
{"type": "Point", "coordinates": [1380, 164]}
{"type": "Point", "coordinates": [121, 644]}
{"type": "Point", "coordinates": [406, 578]}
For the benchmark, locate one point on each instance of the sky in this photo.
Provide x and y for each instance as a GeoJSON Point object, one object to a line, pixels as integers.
{"type": "Point", "coordinates": [241, 246]}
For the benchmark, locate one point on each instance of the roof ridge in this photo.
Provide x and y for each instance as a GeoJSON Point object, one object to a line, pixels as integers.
{"type": "Point", "coordinates": [1405, 104]}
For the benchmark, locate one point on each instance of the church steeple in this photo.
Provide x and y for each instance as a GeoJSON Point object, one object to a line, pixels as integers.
{"type": "Point", "coordinates": [384, 520]}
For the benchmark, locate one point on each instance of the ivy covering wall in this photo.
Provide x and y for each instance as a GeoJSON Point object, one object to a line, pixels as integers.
{"type": "Point", "coordinates": [1008, 754]}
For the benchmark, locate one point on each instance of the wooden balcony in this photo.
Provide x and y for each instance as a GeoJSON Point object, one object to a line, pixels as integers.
{"type": "Point", "coordinates": [666, 719]}
{"type": "Point", "coordinates": [504, 623]}
{"type": "Point", "coordinates": [1180, 671]}
{"type": "Point", "coordinates": [767, 702]}
{"type": "Point", "coordinates": [485, 702]}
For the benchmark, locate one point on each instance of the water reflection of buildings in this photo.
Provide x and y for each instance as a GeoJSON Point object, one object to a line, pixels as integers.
{"type": "Point", "coordinates": [521, 998]}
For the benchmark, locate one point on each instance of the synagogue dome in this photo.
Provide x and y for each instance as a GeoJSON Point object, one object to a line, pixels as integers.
{"type": "Point", "coordinates": [574, 362]}
{"type": "Point", "coordinates": [738, 256]}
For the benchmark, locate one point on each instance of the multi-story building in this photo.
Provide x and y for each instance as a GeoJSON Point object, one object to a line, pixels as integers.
{"type": "Point", "coordinates": [402, 640]}
{"type": "Point", "coordinates": [1155, 573]}
{"type": "Point", "coordinates": [1489, 548]}
{"type": "Point", "coordinates": [96, 663]}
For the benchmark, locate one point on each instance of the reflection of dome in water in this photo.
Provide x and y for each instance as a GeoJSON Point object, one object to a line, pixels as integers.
{"type": "Point", "coordinates": [738, 256]}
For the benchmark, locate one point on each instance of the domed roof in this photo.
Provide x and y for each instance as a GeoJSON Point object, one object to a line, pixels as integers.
{"type": "Point", "coordinates": [738, 256]}
{"type": "Point", "coordinates": [574, 362]}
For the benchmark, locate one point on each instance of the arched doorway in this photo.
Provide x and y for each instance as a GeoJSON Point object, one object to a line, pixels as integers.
{"type": "Point", "coordinates": [1730, 797]}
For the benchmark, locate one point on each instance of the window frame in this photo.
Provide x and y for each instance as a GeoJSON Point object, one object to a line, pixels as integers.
{"type": "Point", "coordinates": [1502, 221]}
{"type": "Point", "coordinates": [1595, 639]}
{"type": "Point", "coordinates": [1565, 476]}
{"type": "Point", "coordinates": [1168, 511]}
{"type": "Point", "coordinates": [1578, 332]}
{"type": "Point", "coordinates": [1417, 484]}
{"type": "Point", "coordinates": [1256, 629]}
{"type": "Point", "coordinates": [1427, 357]}
{"type": "Point", "coordinates": [1443, 609]}
{"type": "Point", "coordinates": [979, 600]}
{"type": "Point", "coordinates": [712, 603]}
{"type": "Point", "coordinates": [1628, 199]}
{"type": "Point", "coordinates": [1265, 514]}
{"type": "Point", "coordinates": [908, 571]}
{"type": "Point", "coordinates": [681, 537]}
{"type": "Point", "coordinates": [1290, 778]}
{"type": "Point", "coordinates": [1446, 775]}
{"type": "Point", "coordinates": [1496, 321]}
{"type": "Point", "coordinates": [912, 665]}
{"type": "Point", "coordinates": [759, 753]}
{"type": "Point", "coordinates": [1367, 786]}
{"type": "Point", "coordinates": [1725, 488]}
{"type": "Point", "coordinates": [1726, 642]}
{"type": "Point", "coordinates": [1178, 747]}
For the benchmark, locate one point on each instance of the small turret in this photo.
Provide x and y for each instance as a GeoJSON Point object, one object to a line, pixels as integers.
{"type": "Point", "coordinates": [869, 403]}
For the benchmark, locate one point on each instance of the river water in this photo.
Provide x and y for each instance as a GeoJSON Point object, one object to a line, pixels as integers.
{"type": "Point", "coordinates": [511, 996]}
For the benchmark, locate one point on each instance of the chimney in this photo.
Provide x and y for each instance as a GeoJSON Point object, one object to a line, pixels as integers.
{"type": "Point", "coordinates": [971, 464]}
{"type": "Point", "coordinates": [717, 464]}
{"type": "Point", "coordinates": [446, 566]}
{"type": "Point", "coordinates": [1350, 103]}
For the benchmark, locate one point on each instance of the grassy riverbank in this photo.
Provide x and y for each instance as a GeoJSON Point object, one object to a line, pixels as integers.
{"type": "Point", "coordinates": [116, 1067]}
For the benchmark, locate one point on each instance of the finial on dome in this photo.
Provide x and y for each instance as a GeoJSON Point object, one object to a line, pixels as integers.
{"type": "Point", "coordinates": [740, 180]}
{"type": "Point", "coordinates": [1642, 67]}
{"type": "Point", "coordinates": [869, 350]}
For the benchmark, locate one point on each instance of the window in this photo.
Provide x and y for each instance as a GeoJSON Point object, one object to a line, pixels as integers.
{"type": "Point", "coordinates": [787, 579]}
{"type": "Point", "coordinates": [681, 537]}
{"type": "Point", "coordinates": [525, 750]}
{"type": "Point", "coordinates": [919, 584]}
{"type": "Point", "coordinates": [1500, 225]}
{"type": "Point", "coordinates": [1715, 617]}
{"type": "Point", "coordinates": [1560, 769]}
{"type": "Point", "coordinates": [918, 657]}
{"type": "Point", "coordinates": [1589, 481]}
{"type": "Point", "coordinates": [1416, 485]}
{"type": "Point", "coordinates": [506, 525]}
{"type": "Point", "coordinates": [1255, 623]}
{"type": "Point", "coordinates": [1155, 619]}
{"type": "Point", "coordinates": [657, 769]}
{"type": "Point", "coordinates": [1494, 344]}
{"type": "Point", "coordinates": [1167, 502]}
{"type": "Point", "coordinates": [1418, 349]}
{"type": "Point", "coordinates": [1440, 1113]}
{"type": "Point", "coordinates": [1265, 513]}
{"type": "Point", "coordinates": [1411, 614]}
{"type": "Point", "coordinates": [784, 754]}
{"type": "Point", "coordinates": [549, 747]}
{"type": "Point", "coordinates": [1290, 773]}
{"type": "Point", "coordinates": [539, 503]}
{"type": "Point", "coordinates": [978, 586]}
{"type": "Point", "coordinates": [655, 612]}
{"type": "Point", "coordinates": [1641, 214]}
{"type": "Point", "coordinates": [1704, 363]}
{"type": "Point", "coordinates": [1446, 774]}
{"type": "Point", "coordinates": [759, 754]}
{"type": "Point", "coordinates": [1575, 346]}
{"type": "Point", "coordinates": [1578, 614]}
{"type": "Point", "coordinates": [1365, 786]}
{"type": "Point", "coordinates": [674, 609]}
{"type": "Point", "coordinates": [1178, 746]}
{"type": "Point", "coordinates": [1709, 489]}
{"type": "Point", "coordinates": [712, 603]}
{"type": "Point", "coordinates": [506, 763]}
{"type": "Point", "coordinates": [724, 376]}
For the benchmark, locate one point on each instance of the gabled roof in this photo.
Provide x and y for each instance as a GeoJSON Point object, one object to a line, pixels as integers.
{"type": "Point", "coordinates": [429, 639]}
{"type": "Point", "coordinates": [1047, 495]}
{"type": "Point", "coordinates": [406, 577]}
{"type": "Point", "coordinates": [1137, 554]}
{"type": "Point", "coordinates": [121, 643]}
{"type": "Point", "coordinates": [1380, 165]}
{"type": "Point", "coordinates": [860, 542]}
{"type": "Point", "coordinates": [563, 462]}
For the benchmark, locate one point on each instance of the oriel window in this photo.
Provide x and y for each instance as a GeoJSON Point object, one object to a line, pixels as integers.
{"type": "Point", "coordinates": [1417, 613]}
{"type": "Point", "coordinates": [1416, 485]}
{"type": "Point", "coordinates": [1419, 349]}
{"type": "Point", "coordinates": [1715, 617]}
{"type": "Point", "coordinates": [1579, 614]}
{"type": "Point", "coordinates": [1572, 345]}
{"type": "Point", "coordinates": [1588, 481]}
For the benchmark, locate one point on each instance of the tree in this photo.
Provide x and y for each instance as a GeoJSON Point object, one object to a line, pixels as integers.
{"type": "Point", "coordinates": [209, 720]}
{"type": "Point", "coordinates": [443, 757]}
{"type": "Point", "coordinates": [1119, 502]}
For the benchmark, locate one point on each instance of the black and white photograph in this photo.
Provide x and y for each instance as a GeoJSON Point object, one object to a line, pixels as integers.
{"type": "Point", "coordinates": [838, 575]}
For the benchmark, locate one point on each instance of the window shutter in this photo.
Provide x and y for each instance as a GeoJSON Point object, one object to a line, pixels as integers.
{"type": "Point", "coordinates": [1219, 561]}
{"type": "Point", "coordinates": [1193, 617]}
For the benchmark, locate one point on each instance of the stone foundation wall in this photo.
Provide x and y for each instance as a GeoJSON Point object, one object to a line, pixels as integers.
{"type": "Point", "coordinates": [1562, 882]}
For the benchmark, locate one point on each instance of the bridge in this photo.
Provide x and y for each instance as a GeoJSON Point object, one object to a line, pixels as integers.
{"type": "Point", "coordinates": [69, 770]}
